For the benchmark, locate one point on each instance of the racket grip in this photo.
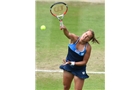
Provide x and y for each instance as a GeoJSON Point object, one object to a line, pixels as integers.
{"type": "Point", "coordinates": [61, 23]}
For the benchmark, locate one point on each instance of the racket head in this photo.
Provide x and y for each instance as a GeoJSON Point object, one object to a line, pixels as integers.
{"type": "Point", "coordinates": [59, 8]}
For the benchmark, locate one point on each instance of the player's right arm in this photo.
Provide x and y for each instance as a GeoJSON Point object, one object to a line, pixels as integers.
{"type": "Point", "coordinates": [69, 35]}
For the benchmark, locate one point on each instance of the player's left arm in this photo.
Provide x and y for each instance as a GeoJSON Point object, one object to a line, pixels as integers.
{"type": "Point", "coordinates": [86, 57]}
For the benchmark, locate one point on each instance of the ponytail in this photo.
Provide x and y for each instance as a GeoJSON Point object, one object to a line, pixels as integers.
{"type": "Point", "coordinates": [93, 39]}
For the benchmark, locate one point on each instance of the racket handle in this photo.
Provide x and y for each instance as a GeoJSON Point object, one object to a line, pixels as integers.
{"type": "Point", "coordinates": [61, 23]}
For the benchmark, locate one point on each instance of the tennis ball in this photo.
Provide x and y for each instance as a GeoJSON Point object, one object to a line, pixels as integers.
{"type": "Point", "coordinates": [43, 27]}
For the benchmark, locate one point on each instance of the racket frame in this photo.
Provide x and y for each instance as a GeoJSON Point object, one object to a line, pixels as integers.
{"type": "Point", "coordinates": [59, 17]}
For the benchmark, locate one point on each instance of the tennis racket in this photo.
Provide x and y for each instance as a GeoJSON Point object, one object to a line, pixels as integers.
{"type": "Point", "coordinates": [59, 9]}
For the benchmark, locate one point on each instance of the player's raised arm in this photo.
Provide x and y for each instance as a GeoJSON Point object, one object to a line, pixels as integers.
{"type": "Point", "coordinates": [67, 33]}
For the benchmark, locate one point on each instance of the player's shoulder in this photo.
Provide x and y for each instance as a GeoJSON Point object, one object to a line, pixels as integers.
{"type": "Point", "coordinates": [89, 46]}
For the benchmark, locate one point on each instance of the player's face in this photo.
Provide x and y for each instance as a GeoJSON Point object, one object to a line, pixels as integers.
{"type": "Point", "coordinates": [86, 36]}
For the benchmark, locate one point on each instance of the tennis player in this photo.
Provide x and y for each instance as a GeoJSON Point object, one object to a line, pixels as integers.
{"type": "Point", "coordinates": [78, 55]}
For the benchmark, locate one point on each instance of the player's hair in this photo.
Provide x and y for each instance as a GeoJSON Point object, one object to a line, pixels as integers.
{"type": "Point", "coordinates": [93, 39]}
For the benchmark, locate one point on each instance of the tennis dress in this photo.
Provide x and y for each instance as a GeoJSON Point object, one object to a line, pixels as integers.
{"type": "Point", "coordinates": [76, 56]}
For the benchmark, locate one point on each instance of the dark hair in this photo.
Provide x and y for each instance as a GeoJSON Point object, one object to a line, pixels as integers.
{"type": "Point", "coordinates": [93, 39]}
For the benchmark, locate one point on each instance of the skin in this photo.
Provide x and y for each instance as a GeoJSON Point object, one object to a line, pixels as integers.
{"type": "Point", "coordinates": [84, 39]}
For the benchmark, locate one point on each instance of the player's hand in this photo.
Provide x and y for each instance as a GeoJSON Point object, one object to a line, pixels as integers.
{"type": "Point", "coordinates": [68, 62]}
{"type": "Point", "coordinates": [64, 62]}
{"type": "Point", "coordinates": [62, 27]}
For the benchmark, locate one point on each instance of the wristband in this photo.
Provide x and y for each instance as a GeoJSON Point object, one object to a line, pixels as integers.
{"type": "Point", "coordinates": [72, 63]}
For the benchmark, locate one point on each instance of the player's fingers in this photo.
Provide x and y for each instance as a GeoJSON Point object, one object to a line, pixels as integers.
{"type": "Point", "coordinates": [68, 62]}
{"type": "Point", "coordinates": [64, 61]}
